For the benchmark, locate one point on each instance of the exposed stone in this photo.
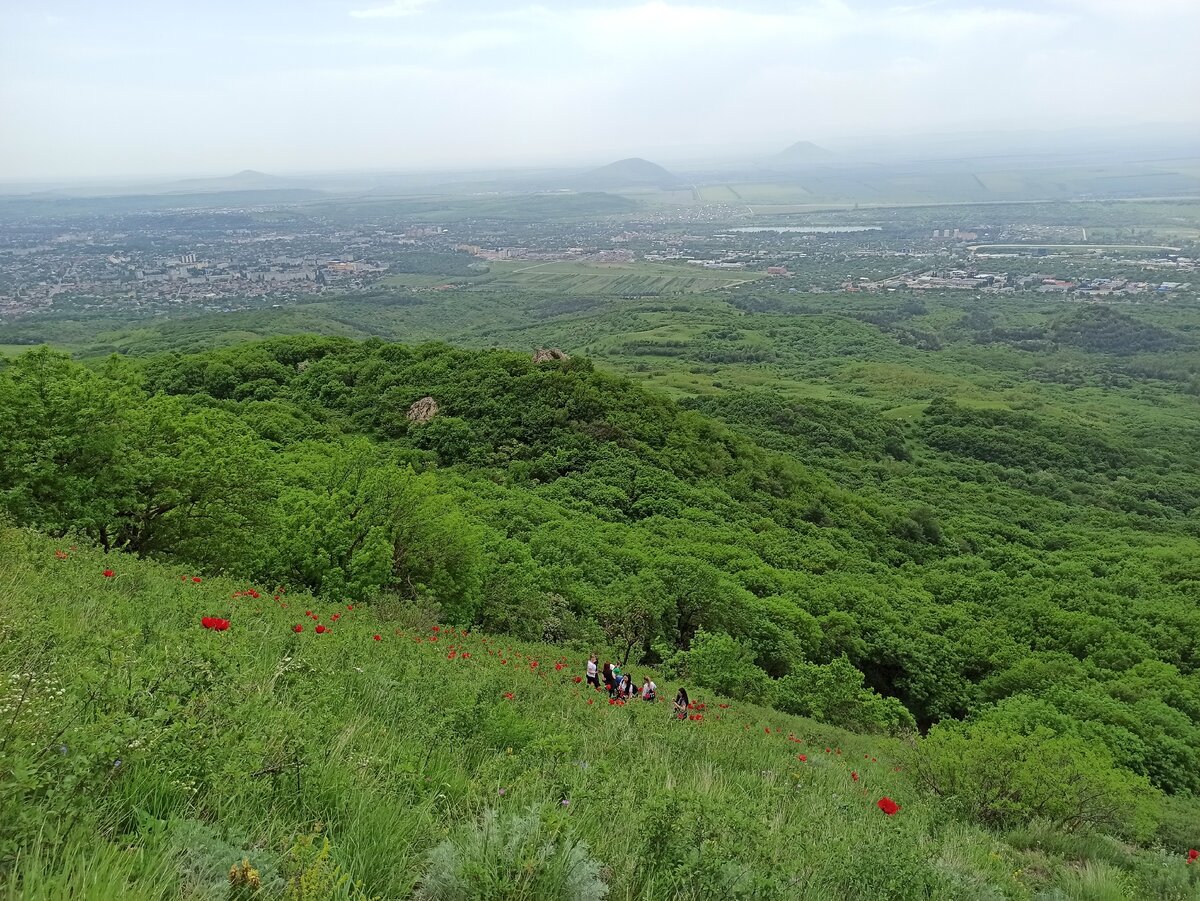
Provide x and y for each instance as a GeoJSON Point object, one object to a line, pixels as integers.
{"type": "Point", "coordinates": [423, 410]}
{"type": "Point", "coordinates": [546, 354]}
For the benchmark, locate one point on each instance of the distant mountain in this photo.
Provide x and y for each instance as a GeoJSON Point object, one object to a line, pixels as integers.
{"type": "Point", "coordinates": [246, 180]}
{"type": "Point", "coordinates": [806, 153]}
{"type": "Point", "coordinates": [631, 173]}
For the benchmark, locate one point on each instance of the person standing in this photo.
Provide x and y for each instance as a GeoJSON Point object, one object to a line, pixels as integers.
{"type": "Point", "coordinates": [593, 675]}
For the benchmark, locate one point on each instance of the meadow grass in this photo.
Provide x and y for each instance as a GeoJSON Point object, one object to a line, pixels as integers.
{"type": "Point", "coordinates": [151, 755]}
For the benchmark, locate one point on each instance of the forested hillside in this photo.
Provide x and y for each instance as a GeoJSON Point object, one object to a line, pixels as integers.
{"type": "Point", "coordinates": [975, 565]}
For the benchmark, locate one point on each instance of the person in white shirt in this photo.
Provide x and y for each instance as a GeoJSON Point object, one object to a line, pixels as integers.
{"type": "Point", "coordinates": [649, 690]}
{"type": "Point", "coordinates": [593, 677]}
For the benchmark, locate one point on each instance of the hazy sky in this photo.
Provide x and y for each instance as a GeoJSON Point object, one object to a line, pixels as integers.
{"type": "Point", "coordinates": [121, 88]}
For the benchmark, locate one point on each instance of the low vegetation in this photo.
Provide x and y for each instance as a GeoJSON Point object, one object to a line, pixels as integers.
{"type": "Point", "coordinates": [316, 748]}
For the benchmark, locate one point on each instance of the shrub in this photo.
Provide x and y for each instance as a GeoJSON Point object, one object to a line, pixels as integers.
{"type": "Point", "coordinates": [511, 857]}
{"type": "Point", "coordinates": [834, 693]}
{"type": "Point", "coordinates": [1003, 777]}
{"type": "Point", "coordinates": [725, 665]}
{"type": "Point", "coordinates": [313, 874]}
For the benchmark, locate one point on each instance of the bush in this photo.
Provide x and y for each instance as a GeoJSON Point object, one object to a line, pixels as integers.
{"type": "Point", "coordinates": [511, 857]}
{"type": "Point", "coordinates": [725, 665]}
{"type": "Point", "coordinates": [834, 693]}
{"type": "Point", "coordinates": [1003, 777]}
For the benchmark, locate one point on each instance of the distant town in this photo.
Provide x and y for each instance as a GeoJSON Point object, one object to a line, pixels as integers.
{"type": "Point", "coordinates": [214, 260]}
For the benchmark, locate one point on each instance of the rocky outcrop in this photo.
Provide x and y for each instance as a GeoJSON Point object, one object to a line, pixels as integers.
{"type": "Point", "coordinates": [423, 410]}
{"type": "Point", "coordinates": [547, 354]}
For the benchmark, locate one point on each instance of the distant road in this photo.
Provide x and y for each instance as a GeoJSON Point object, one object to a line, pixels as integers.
{"type": "Point", "coordinates": [975, 247]}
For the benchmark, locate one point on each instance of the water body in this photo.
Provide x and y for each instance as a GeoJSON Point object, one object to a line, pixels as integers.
{"type": "Point", "coordinates": [809, 229]}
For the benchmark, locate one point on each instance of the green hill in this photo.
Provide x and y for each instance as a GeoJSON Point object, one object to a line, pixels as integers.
{"type": "Point", "coordinates": [145, 755]}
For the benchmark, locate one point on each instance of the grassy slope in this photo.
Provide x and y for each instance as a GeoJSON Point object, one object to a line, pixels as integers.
{"type": "Point", "coordinates": [399, 744]}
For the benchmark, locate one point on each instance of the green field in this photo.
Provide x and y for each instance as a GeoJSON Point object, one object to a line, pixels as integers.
{"type": "Point", "coordinates": [421, 280]}
{"type": "Point", "coordinates": [623, 279]}
{"type": "Point", "coordinates": [11, 350]}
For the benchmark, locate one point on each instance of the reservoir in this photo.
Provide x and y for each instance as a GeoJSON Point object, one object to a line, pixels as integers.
{"type": "Point", "coordinates": [809, 229]}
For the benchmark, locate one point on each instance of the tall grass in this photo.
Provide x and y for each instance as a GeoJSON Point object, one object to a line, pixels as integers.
{"type": "Point", "coordinates": [403, 755]}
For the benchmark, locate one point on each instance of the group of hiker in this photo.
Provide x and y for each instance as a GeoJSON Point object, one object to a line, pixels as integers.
{"type": "Point", "coordinates": [621, 685]}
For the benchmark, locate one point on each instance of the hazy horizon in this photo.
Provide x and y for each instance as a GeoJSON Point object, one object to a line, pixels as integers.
{"type": "Point", "coordinates": [157, 90]}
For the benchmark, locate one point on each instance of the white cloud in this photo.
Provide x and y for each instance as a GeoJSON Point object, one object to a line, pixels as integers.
{"type": "Point", "coordinates": [394, 10]}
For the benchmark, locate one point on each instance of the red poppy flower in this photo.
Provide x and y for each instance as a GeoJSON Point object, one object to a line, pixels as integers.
{"type": "Point", "coordinates": [61, 555]}
{"type": "Point", "coordinates": [435, 629]}
{"type": "Point", "coordinates": [1193, 855]}
{"type": "Point", "coordinates": [349, 606]}
{"type": "Point", "coordinates": [253, 594]}
{"type": "Point", "coordinates": [578, 679]}
{"type": "Point", "coordinates": [888, 806]}
{"type": "Point", "coordinates": [108, 574]}
{"type": "Point", "coordinates": [508, 696]}
{"type": "Point", "coordinates": [465, 656]}
{"type": "Point", "coordinates": [321, 630]}
{"type": "Point", "coordinates": [308, 613]}
{"type": "Point", "coordinates": [533, 664]}
{"type": "Point", "coordinates": [451, 656]}
{"type": "Point", "coordinates": [297, 628]}
{"type": "Point", "coordinates": [723, 706]}
{"type": "Point", "coordinates": [767, 729]}
{"type": "Point", "coordinates": [378, 637]}
{"type": "Point", "coordinates": [854, 775]}
{"type": "Point", "coordinates": [336, 617]}
{"type": "Point", "coordinates": [591, 701]}
{"type": "Point", "coordinates": [196, 579]}
{"type": "Point", "coordinates": [803, 758]}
